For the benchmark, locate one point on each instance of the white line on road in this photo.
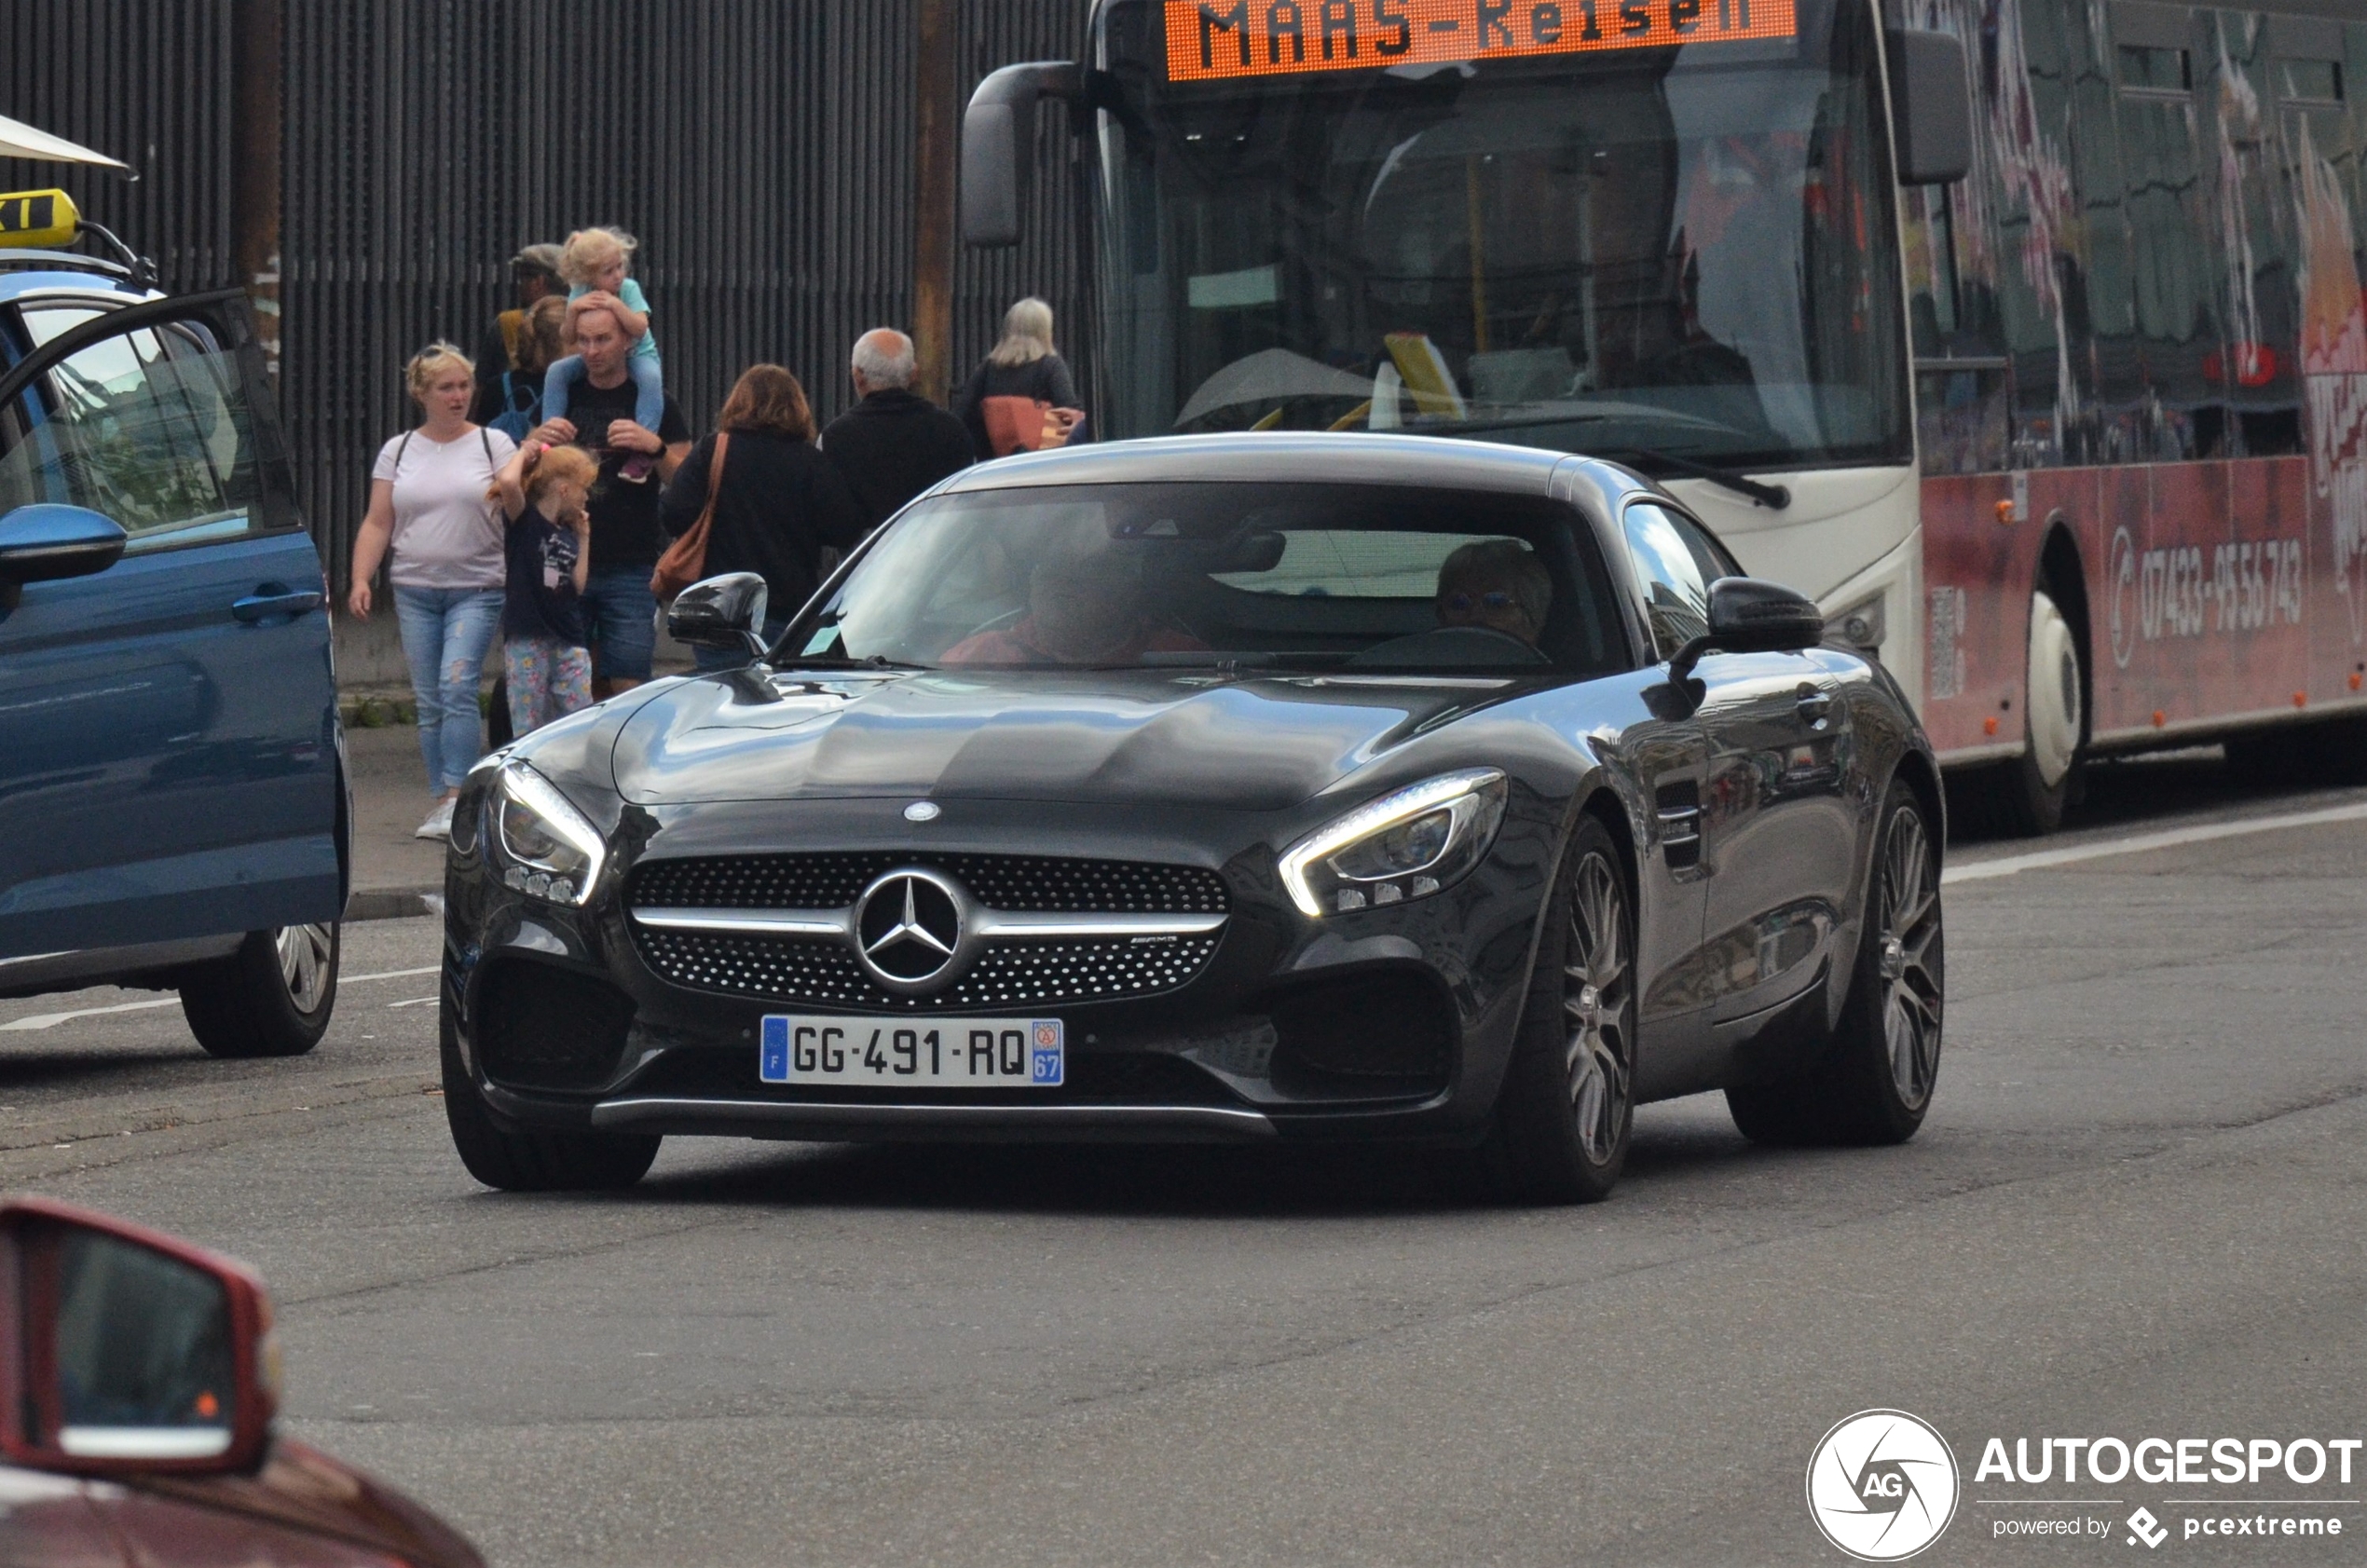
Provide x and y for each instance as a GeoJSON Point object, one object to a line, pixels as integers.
{"type": "Point", "coordinates": [1981, 870]}
{"type": "Point", "coordinates": [51, 1020]}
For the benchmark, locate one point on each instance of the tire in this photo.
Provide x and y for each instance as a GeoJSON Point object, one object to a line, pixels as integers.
{"type": "Point", "coordinates": [271, 998]}
{"type": "Point", "coordinates": [1875, 1082]}
{"type": "Point", "coordinates": [532, 1162]}
{"type": "Point", "coordinates": [1568, 1106]}
{"type": "Point", "coordinates": [2025, 798]}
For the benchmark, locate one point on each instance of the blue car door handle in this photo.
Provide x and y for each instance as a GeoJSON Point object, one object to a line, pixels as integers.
{"type": "Point", "coordinates": [275, 602]}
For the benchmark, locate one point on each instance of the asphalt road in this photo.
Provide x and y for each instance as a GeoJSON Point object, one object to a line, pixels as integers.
{"type": "Point", "coordinates": [2139, 1209]}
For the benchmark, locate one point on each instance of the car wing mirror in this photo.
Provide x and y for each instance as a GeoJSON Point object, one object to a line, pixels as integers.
{"type": "Point", "coordinates": [45, 541]}
{"type": "Point", "coordinates": [726, 611]}
{"type": "Point", "coordinates": [127, 1352]}
{"type": "Point", "coordinates": [1751, 615]}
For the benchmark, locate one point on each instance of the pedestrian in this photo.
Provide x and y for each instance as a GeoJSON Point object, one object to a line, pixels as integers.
{"type": "Point", "coordinates": [534, 274]}
{"type": "Point", "coordinates": [620, 612]}
{"type": "Point", "coordinates": [1022, 398]}
{"type": "Point", "coordinates": [430, 522]}
{"type": "Point", "coordinates": [780, 502]}
{"type": "Point", "coordinates": [539, 346]}
{"type": "Point", "coordinates": [893, 443]}
{"type": "Point", "coordinates": [596, 263]}
{"type": "Point", "coordinates": [545, 665]}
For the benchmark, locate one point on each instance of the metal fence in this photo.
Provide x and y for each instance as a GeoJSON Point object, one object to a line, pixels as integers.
{"type": "Point", "coordinates": [762, 152]}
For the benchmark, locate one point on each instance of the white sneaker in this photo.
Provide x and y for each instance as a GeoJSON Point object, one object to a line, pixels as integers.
{"type": "Point", "coordinates": [439, 823]}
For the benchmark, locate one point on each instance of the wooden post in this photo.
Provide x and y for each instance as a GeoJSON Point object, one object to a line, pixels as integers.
{"type": "Point", "coordinates": [936, 151]}
{"type": "Point", "coordinates": [256, 65]}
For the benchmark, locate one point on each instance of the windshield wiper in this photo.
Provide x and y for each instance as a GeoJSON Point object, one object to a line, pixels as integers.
{"type": "Point", "coordinates": [870, 662]}
{"type": "Point", "coordinates": [1776, 497]}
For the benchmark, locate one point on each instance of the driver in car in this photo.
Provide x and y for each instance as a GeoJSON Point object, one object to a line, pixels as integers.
{"type": "Point", "coordinates": [1087, 611]}
{"type": "Point", "coordinates": [1495, 585]}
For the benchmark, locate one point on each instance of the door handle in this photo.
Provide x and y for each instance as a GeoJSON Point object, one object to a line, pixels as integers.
{"type": "Point", "coordinates": [1815, 707]}
{"type": "Point", "coordinates": [272, 601]}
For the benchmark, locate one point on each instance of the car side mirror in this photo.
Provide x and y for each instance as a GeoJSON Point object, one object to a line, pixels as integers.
{"type": "Point", "coordinates": [126, 1352]}
{"type": "Point", "coordinates": [726, 611]}
{"type": "Point", "coordinates": [1931, 106]}
{"type": "Point", "coordinates": [1750, 615]}
{"type": "Point", "coordinates": [46, 541]}
{"type": "Point", "coordinates": [998, 146]}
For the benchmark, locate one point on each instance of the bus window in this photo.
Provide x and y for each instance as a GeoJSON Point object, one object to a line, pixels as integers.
{"type": "Point", "coordinates": [1676, 249]}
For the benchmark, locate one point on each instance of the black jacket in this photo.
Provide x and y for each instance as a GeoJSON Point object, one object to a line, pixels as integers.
{"type": "Point", "coordinates": [892, 445]}
{"type": "Point", "coordinates": [1046, 380]}
{"type": "Point", "coordinates": [782, 502]}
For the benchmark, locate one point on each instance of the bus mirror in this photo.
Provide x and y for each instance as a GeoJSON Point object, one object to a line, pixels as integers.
{"type": "Point", "coordinates": [998, 146]}
{"type": "Point", "coordinates": [1931, 107]}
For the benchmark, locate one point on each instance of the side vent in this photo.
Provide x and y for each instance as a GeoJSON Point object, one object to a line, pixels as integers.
{"type": "Point", "coordinates": [1678, 806]}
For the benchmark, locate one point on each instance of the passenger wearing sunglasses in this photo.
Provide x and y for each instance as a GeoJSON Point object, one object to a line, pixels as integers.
{"type": "Point", "coordinates": [1497, 584]}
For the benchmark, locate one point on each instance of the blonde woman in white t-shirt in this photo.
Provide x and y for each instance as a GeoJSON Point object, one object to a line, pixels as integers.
{"type": "Point", "coordinates": [441, 538]}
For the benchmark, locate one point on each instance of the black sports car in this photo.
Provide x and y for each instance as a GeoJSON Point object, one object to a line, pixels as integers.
{"type": "Point", "coordinates": [1215, 788]}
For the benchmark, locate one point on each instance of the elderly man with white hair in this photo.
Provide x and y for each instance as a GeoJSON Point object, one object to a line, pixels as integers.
{"type": "Point", "coordinates": [895, 443]}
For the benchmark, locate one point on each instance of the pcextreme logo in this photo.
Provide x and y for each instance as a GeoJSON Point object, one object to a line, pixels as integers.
{"type": "Point", "coordinates": [1882, 1485]}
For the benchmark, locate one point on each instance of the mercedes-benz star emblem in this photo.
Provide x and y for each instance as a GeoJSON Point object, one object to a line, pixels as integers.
{"type": "Point", "coordinates": [908, 929]}
{"type": "Point", "coordinates": [921, 810]}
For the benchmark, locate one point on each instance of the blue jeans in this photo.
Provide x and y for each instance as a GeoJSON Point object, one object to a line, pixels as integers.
{"type": "Point", "coordinates": [649, 392]}
{"type": "Point", "coordinates": [445, 633]}
{"type": "Point", "coordinates": [621, 621]}
{"type": "Point", "coordinates": [711, 660]}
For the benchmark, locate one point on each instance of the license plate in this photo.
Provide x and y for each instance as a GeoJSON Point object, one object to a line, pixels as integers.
{"type": "Point", "coordinates": [888, 1053]}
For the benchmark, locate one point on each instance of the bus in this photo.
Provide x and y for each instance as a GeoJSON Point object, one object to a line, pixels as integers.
{"type": "Point", "coordinates": [2025, 335]}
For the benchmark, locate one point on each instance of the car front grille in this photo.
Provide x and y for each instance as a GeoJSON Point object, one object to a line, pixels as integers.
{"type": "Point", "coordinates": [823, 971]}
{"type": "Point", "coordinates": [1015, 970]}
{"type": "Point", "coordinates": [1017, 883]}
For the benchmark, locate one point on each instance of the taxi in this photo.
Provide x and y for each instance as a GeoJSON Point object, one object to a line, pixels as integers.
{"type": "Point", "coordinates": [173, 800]}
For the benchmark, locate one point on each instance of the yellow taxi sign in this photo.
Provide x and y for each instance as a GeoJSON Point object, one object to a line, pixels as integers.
{"type": "Point", "coordinates": [41, 219]}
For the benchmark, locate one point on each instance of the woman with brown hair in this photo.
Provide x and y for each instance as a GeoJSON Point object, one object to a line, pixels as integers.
{"type": "Point", "coordinates": [779, 502]}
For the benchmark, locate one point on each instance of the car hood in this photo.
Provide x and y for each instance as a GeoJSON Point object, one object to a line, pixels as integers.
{"type": "Point", "coordinates": [1121, 737]}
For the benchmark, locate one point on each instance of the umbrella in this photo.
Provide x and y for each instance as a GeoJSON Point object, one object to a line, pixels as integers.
{"type": "Point", "coordinates": [1272, 372]}
{"type": "Point", "coordinates": [19, 139]}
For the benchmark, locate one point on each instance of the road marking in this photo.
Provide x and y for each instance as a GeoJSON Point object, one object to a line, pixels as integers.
{"type": "Point", "coordinates": [1981, 870]}
{"type": "Point", "coordinates": [415, 1002]}
{"type": "Point", "coordinates": [51, 1020]}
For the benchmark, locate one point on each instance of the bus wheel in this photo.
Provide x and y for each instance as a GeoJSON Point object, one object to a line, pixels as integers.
{"type": "Point", "coordinates": [2026, 796]}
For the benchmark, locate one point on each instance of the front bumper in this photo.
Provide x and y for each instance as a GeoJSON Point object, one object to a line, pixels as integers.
{"type": "Point", "coordinates": [1388, 1024]}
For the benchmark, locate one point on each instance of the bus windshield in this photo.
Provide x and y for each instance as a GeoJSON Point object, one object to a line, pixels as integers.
{"type": "Point", "coordinates": [1681, 251]}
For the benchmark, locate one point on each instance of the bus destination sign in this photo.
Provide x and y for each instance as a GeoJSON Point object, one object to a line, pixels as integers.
{"type": "Point", "coordinates": [1211, 39]}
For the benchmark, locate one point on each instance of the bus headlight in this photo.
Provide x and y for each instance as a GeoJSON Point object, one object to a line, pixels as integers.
{"type": "Point", "coordinates": [1861, 626]}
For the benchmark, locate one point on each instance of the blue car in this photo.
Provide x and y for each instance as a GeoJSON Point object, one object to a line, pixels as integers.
{"type": "Point", "coordinates": [173, 800]}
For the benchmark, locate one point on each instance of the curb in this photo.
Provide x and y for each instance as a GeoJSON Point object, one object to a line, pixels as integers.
{"type": "Point", "coordinates": [392, 904]}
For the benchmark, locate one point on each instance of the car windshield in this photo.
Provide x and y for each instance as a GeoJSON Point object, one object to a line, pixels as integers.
{"type": "Point", "coordinates": [1301, 577]}
{"type": "Point", "coordinates": [1678, 250]}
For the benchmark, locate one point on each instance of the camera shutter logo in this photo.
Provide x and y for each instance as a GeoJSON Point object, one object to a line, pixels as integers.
{"type": "Point", "coordinates": [1883, 1485]}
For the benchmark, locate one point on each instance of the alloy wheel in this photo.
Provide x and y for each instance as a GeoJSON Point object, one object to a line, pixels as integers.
{"type": "Point", "coordinates": [304, 963]}
{"type": "Point", "coordinates": [1910, 930]}
{"type": "Point", "coordinates": [1595, 996]}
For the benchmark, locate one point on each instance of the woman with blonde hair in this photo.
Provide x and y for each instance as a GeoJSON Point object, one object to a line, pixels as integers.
{"type": "Point", "coordinates": [1022, 399]}
{"type": "Point", "coordinates": [778, 503]}
{"type": "Point", "coordinates": [430, 524]}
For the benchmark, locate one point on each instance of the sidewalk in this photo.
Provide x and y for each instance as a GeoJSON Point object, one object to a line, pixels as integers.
{"type": "Point", "coordinates": [394, 873]}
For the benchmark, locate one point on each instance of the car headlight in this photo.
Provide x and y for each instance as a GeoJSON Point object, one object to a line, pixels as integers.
{"type": "Point", "coordinates": [1408, 844]}
{"type": "Point", "coordinates": [554, 850]}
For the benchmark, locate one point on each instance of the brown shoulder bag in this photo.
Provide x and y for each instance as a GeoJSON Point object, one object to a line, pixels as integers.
{"type": "Point", "coordinates": [685, 559]}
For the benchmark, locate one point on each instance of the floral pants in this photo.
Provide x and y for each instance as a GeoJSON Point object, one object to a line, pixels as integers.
{"type": "Point", "coordinates": [547, 678]}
